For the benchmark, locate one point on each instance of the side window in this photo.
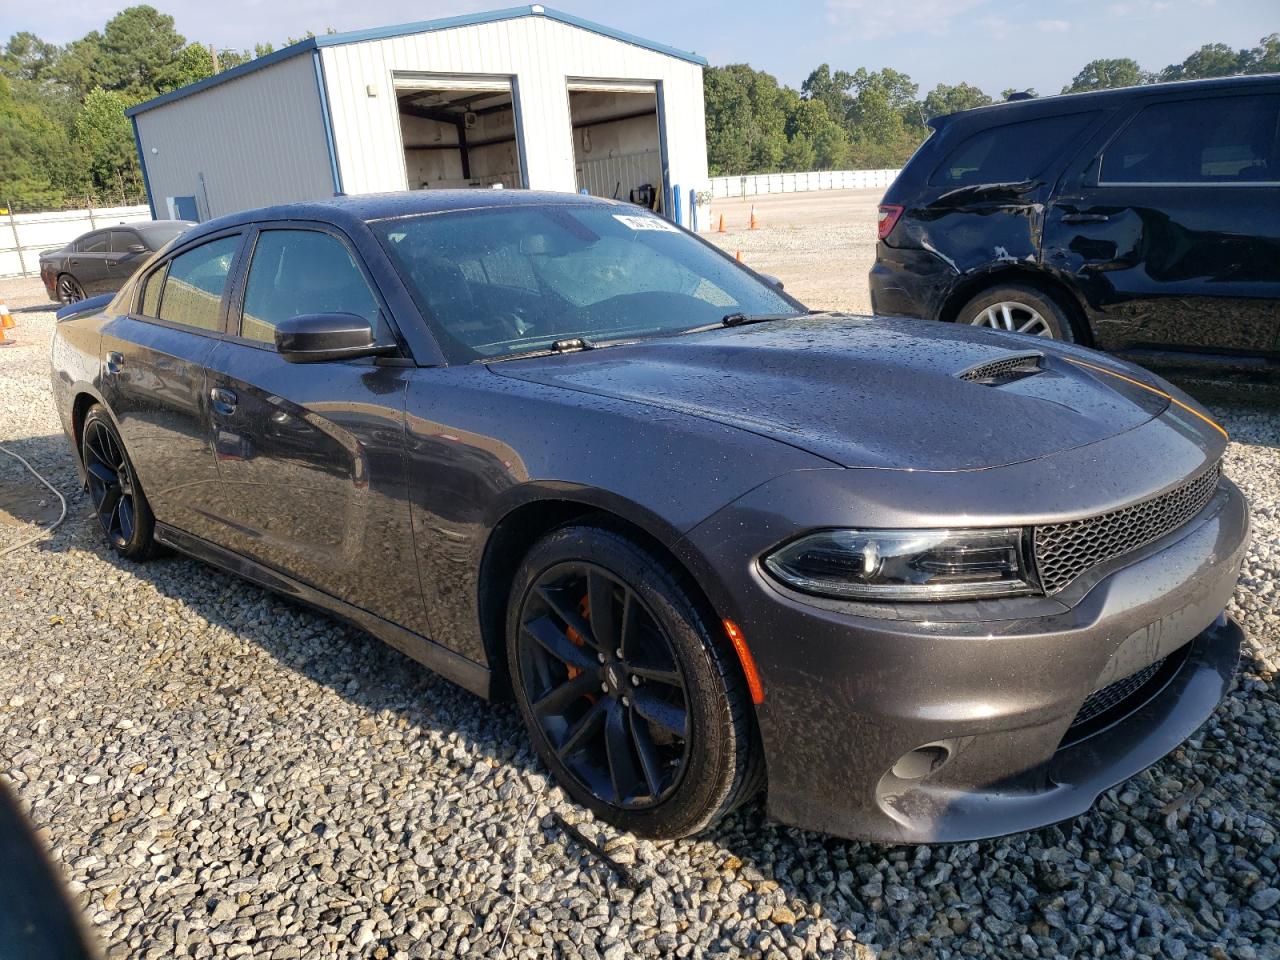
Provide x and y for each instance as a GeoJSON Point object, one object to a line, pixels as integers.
{"type": "Point", "coordinates": [1215, 140]}
{"type": "Point", "coordinates": [1010, 153]}
{"type": "Point", "coordinates": [94, 243]}
{"type": "Point", "coordinates": [302, 271]}
{"type": "Point", "coordinates": [151, 293]}
{"type": "Point", "coordinates": [122, 241]}
{"type": "Point", "coordinates": [193, 289]}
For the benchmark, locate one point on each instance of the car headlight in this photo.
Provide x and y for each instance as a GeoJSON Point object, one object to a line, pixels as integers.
{"type": "Point", "coordinates": [906, 564]}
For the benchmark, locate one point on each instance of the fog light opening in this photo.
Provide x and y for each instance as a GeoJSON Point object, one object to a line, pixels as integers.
{"type": "Point", "coordinates": [921, 761]}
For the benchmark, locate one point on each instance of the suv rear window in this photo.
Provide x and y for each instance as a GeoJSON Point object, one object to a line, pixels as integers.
{"type": "Point", "coordinates": [1011, 152]}
{"type": "Point", "coordinates": [1215, 140]}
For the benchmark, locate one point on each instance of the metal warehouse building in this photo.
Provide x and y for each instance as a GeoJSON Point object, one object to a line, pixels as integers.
{"type": "Point", "coordinates": [523, 97]}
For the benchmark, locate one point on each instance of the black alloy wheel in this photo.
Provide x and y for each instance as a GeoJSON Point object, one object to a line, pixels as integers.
{"type": "Point", "coordinates": [604, 684]}
{"type": "Point", "coordinates": [69, 289]}
{"type": "Point", "coordinates": [628, 685]}
{"type": "Point", "coordinates": [118, 502]}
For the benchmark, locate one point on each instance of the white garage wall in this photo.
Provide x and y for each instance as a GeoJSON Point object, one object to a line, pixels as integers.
{"type": "Point", "coordinates": [257, 140]}
{"type": "Point", "coordinates": [541, 54]}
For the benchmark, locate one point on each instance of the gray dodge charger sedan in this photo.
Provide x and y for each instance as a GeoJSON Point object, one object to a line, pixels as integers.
{"type": "Point", "coordinates": [918, 582]}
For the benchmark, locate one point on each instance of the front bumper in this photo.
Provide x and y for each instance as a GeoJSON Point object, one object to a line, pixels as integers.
{"type": "Point", "coordinates": [908, 730]}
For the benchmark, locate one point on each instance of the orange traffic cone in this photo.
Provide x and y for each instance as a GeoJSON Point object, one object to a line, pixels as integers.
{"type": "Point", "coordinates": [6, 318]}
{"type": "Point", "coordinates": [5, 342]}
{"type": "Point", "coordinates": [755, 224]}
{"type": "Point", "coordinates": [738, 256]}
{"type": "Point", "coordinates": [722, 229]}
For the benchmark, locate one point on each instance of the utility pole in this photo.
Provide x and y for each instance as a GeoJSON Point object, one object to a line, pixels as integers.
{"type": "Point", "coordinates": [213, 52]}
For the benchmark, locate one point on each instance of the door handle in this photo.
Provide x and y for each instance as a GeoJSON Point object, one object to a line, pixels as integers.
{"type": "Point", "coordinates": [1085, 218]}
{"type": "Point", "coordinates": [115, 360]}
{"type": "Point", "coordinates": [223, 401]}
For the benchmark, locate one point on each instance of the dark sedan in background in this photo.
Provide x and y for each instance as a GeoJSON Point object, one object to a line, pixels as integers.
{"type": "Point", "coordinates": [557, 448]}
{"type": "Point", "coordinates": [1144, 221]}
{"type": "Point", "coordinates": [100, 261]}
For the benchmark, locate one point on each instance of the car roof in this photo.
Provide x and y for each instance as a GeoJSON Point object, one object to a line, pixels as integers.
{"type": "Point", "coordinates": [354, 211]}
{"type": "Point", "coordinates": [997, 113]}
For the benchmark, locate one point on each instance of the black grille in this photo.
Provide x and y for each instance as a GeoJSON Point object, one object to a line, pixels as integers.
{"type": "Point", "coordinates": [1114, 694]}
{"type": "Point", "coordinates": [1063, 551]}
{"type": "Point", "coordinates": [1004, 370]}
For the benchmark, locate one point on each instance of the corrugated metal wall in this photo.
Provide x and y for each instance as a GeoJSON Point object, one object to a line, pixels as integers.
{"type": "Point", "coordinates": [253, 141]}
{"type": "Point", "coordinates": [541, 54]}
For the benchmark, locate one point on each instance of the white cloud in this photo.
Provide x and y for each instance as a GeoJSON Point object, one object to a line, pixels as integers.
{"type": "Point", "coordinates": [870, 19]}
{"type": "Point", "coordinates": [1053, 26]}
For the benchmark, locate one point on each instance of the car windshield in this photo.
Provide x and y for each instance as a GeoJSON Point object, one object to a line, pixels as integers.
{"type": "Point", "coordinates": [497, 282]}
{"type": "Point", "coordinates": [157, 235]}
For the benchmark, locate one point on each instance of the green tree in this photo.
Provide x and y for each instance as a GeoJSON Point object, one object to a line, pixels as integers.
{"type": "Point", "coordinates": [1265, 57]}
{"type": "Point", "coordinates": [38, 165]}
{"type": "Point", "coordinates": [1211, 60]}
{"type": "Point", "coordinates": [138, 53]}
{"type": "Point", "coordinates": [1104, 74]}
{"type": "Point", "coordinates": [195, 63]}
{"type": "Point", "coordinates": [105, 138]}
{"type": "Point", "coordinates": [944, 99]}
{"type": "Point", "coordinates": [745, 120]}
{"type": "Point", "coordinates": [832, 89]}
{"type": "Point", "coordinates": [28, 58]}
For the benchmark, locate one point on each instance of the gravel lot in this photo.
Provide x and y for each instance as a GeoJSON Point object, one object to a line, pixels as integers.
{"type": "Point", "coordinates": [222, 773]}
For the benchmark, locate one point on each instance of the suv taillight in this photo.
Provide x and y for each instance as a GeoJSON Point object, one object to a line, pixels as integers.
{"type": "Point", "coordinates": [889, 214]}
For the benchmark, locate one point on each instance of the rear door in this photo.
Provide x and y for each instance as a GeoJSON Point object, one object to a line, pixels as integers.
{"type": "Point", "coordinates": [128, 252]}
{"type": "Point", "coordinates": [311, 455]}
{"type": "Point", "coordinates": [153, 378]}
{"type": "Point", "coordinates": [90, 263]}
{"type": "Point", "coordinates": [1173, 226]}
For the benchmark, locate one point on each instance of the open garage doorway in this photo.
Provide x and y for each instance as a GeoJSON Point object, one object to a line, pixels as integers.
{"type": "Point", "coordinates": [458, 131]}
{"type": "Point", "coordinates": [617, 142]}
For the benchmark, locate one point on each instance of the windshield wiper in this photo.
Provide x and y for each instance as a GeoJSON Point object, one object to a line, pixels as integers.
{"type": "Point", "coordinates": [568, 345]}
{"type": "Point", "coordinates": [741, 319]}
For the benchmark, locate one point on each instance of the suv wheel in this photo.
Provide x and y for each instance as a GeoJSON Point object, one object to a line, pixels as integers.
{"type": "Point", "coordinates": [635, 705]}
{"type": "Point", "coordinates": [1018, 309]}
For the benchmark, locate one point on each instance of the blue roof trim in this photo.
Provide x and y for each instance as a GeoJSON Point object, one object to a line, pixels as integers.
{"type": "Point", "coordinates": [142, 162]}
{"type": "Point", "coordinates": [406, 29]}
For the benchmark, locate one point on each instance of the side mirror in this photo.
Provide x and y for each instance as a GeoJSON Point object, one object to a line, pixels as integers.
{"type": "Point", "coordinates": [318, 337]}
{"type": "Point", "coordinates": [771, 280]}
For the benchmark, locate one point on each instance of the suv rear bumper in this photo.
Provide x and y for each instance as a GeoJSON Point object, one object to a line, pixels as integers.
{"type": "Point", "coordinates": [907, 282]}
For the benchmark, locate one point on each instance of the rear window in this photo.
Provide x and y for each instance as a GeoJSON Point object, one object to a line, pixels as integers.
{"type": "Point", "coordinates": [1215, 140]}
{"type": "Point", "coordinates": [193, 289]}
{"type": "Point", "coordinates": [1011, 152]}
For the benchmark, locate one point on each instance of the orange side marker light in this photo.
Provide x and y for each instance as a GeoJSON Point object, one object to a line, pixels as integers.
{"type": "Point", "coordinates": [748, 662]}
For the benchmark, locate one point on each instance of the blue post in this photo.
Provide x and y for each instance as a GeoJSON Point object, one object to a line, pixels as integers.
{"type": "Point", "coordinates": [693, 210]}
{"type": "Point", "coordinates": [675, 205]}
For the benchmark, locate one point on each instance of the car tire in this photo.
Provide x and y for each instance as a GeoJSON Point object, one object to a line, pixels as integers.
{"type": "Point", "coordinates": [68, 289]}
{"type": "Point", "coordinates": [1018, 309]}
{"type": "Point", "coordinates": [120, 506]}
{"type": "Point", "coordinates": [610, 735]}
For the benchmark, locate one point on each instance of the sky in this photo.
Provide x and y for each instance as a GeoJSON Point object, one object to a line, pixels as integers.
{"type": "Point", "coordinates": [993, 44]}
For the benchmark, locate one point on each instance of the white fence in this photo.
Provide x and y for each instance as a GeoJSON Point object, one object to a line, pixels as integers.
{"type": "Point", "coordinates": [24, 235]}
{"type": "Point", "coordinates": [757, 183]}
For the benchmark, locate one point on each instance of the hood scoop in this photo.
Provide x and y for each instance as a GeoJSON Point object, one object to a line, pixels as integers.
{"type": "Point", "coordinates": [996, 373]}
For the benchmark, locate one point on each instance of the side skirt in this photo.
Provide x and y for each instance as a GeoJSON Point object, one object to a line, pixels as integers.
{"type": "Point", "coordinates": [466, 673]}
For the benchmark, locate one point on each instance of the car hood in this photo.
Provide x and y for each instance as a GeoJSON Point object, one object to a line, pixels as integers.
{"type": "Point", "coordinates": [869, 392]}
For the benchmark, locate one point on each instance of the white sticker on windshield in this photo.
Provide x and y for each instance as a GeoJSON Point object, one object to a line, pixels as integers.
{"type": "Point", "coordinates": [645, 223]}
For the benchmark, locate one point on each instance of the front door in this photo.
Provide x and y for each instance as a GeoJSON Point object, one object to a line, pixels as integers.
{"type": "Point", "coordinates": [1175, 229]}
{"type": "Point", "coordinates": [311, 455]}
{"type": "Point", "coordinates": [153, 379]}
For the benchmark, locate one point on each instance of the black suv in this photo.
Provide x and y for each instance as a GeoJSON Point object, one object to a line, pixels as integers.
{"type": "Point", "coordinates": [1144, 221]}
